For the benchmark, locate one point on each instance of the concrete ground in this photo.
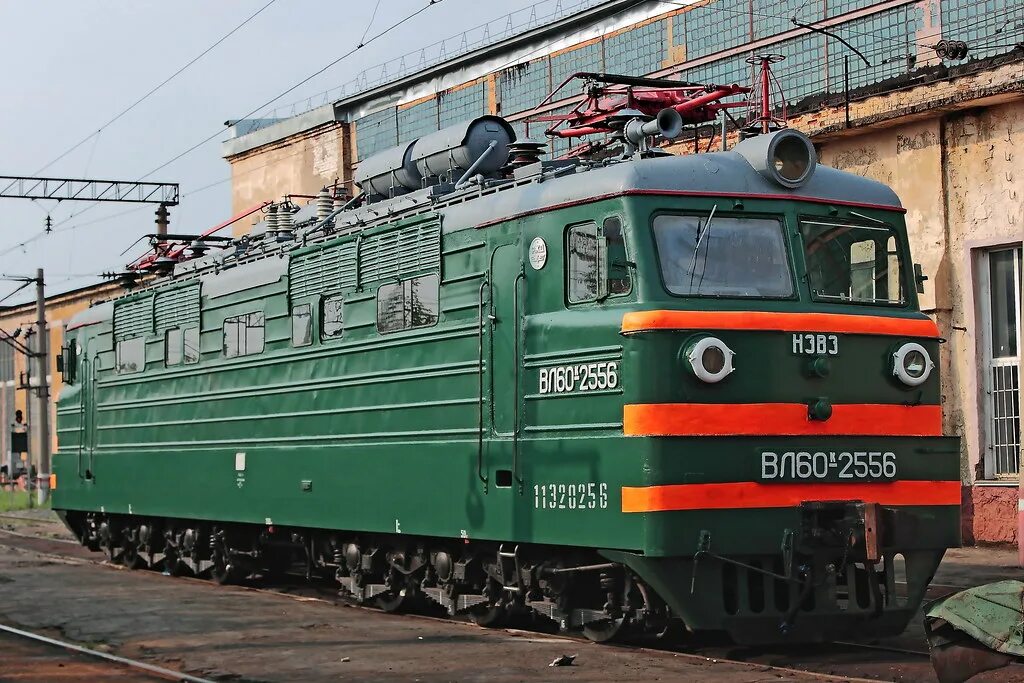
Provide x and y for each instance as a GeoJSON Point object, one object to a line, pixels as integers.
{"type": "Point", "coordinates": [239, 633]}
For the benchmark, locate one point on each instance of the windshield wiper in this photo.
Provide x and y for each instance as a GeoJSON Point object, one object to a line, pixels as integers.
{"type": "Point", "coordinates": [701, 232]}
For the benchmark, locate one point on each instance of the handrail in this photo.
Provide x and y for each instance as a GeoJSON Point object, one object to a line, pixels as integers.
{"type": "Point", "coordinates": [480, 405]}
{"type": "Point", "coordinates": [515, 379]}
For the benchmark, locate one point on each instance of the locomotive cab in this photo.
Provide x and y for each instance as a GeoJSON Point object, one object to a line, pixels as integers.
{"type": "Point", "coordinates": [780, 381]}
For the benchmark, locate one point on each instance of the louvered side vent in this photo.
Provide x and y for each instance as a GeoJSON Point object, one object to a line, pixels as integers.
{"type": "Point", "coordinates": [411, 250]}
{"type": "Point", "coordinates": [177, 308]}
{"type": "Point", "coordinates": [324, 271]}
{"type": "Point", "coordinates": [133, 318]}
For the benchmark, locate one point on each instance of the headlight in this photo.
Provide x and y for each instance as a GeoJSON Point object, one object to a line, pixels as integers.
{"type": "Point", "coordinates": [912, 364]}
{"type": "Point", "coordinates": [710, 359]}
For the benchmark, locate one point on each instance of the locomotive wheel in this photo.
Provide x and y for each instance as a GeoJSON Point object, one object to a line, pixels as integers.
{"type": "Point", "coordinates": [130, 556]}
{"type": "Point", "coordinates": [392, 602]}
{"type": "Point", "coordinates": [605, 631]}
{"type": "Point", "coordinates": [172, 564]}
{"type": "Point", "coordinates": [491, 616]}
{"type": "Point", "coordinates": [221, 572]}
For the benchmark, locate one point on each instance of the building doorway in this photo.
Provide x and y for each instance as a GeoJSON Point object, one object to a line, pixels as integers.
{"type": "Point", "coordinates": [1000, 304]}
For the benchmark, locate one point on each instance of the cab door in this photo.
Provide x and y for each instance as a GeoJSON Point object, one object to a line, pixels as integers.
{"type": "Point", "coordinates": [505, 383]}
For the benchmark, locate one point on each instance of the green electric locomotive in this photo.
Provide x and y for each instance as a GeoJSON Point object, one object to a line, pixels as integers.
{"type": "Point", "coordinates": [621, 393]}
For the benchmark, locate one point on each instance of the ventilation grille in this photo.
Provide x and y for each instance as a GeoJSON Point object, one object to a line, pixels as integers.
{"type": "Point", "coordinates": [133, 317]}
{"type": "Point", "coordinates": [323, 271]}
{"type": "Point", "coordinates": [410, 250]}
{"type": "Point", "coordinates": [177, 308]}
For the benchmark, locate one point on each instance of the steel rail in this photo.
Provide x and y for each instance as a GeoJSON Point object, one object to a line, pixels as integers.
{"type": "Point", "coordinates": [135, 664]}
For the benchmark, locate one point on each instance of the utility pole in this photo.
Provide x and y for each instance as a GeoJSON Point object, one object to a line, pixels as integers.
{"type": "Point", "coordinates": [43, 356]}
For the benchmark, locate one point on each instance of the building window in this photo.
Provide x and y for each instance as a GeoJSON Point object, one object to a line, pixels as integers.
{"type": "Point", "coordinates": [332, 318]}
{"type": "Point", "coordinates": [1000, 303]}
{"type": "Point", "coordinates": [243, 335]}
{"type": "Point", "coordinates": [174, 347]}
{"type": "Point", "coordinates": [131, 355]}
{"type": "Point", "coordinates": [407, 304]}
{"type": "Point", "coordinates": [302, 325]}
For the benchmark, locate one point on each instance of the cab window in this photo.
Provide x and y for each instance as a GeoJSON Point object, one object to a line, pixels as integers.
{"type": "Point", "coordinates": [851, 263]}
{"type": "Point", "coordinates": [722, 256]}
{"type": "Point", "coordinates": [596, 261]}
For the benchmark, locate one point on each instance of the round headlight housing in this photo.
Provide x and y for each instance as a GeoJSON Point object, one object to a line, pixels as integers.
{"type": "Point", "coordinates": [710, 359]}
{"type": "Point", "coordinates": [911, 364]}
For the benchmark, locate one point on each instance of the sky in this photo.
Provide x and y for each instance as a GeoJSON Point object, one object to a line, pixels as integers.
{"type": "Point", "coordinates": [70, 66]}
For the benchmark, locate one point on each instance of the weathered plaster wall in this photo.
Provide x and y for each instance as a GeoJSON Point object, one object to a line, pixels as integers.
{"type": "Point", "coordinates": [301, 164]}
{"type": "Point", "coordinates": [959, 176]}
{"type": "Point", "coordinates": [986, 206]}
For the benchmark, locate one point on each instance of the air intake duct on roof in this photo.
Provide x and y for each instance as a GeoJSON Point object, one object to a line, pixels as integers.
{"type": "Point", "coordinates": [447, 154]}
{"type": "Point", "coordinates": [389, 173]}
{"type": "Point", "coordinates": [444, 156]}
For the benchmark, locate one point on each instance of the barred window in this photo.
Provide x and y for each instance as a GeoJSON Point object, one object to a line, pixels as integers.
{"type": "Point", "coordinates": [302, 325]}
{"type": "Point", "coordinates": [407, 304]}
{"type": "Point", "coordinates": [131, 355]}
{"type": "Point", "coordinates": [244, 335]}
{"type": "Point", "coordinates": [191, 344]}
{"type": "Point", "coordinates": [332, 318]}
{"type": "Point", "coordinates": [174, 347]}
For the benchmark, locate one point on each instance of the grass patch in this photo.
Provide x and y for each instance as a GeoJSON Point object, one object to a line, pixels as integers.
{"type": "Point", "coordinates": [18, 500]}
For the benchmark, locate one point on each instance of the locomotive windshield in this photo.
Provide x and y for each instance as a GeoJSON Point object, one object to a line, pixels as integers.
{"type": "Point", "coordinates": [723, 256]}
{"type": "Point", "coordinates": [852, 263]}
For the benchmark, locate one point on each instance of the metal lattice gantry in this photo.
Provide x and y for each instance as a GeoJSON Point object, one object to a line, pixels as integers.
{"type": "Point", "coordinates": [81, 189]}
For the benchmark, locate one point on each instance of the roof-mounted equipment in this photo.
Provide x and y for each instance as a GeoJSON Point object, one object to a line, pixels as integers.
{"type": "Point", "coordinates": [786, 157]}
{"type": "Point", "coordinates": [449, 156]}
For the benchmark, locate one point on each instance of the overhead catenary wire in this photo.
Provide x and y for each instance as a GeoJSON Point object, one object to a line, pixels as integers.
{"type": "Point", "coordinates": [788, 73]}
{"type": "Point", "coordinates": [305, 80]}
{"type": "Point", "coordinates": [157, 87]}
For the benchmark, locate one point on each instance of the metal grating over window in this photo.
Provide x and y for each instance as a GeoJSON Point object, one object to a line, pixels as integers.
{"type": "Point", "coordinates": [717, 26]}
{"type": "Point", "coordinates": [976, 23]}
{"type": "Point", "coordinates": [1004, 409]}
{"type": "Point", "coordinates": [375, 132]}
{"type": "Point", "coordinates": [177, 308]}
{"type": "Point", "coordinates": [417, 120]}
{"type": "Point", "coordinates": [332, 269]}
{"type": "Point", "coordinates": [586, 58]}
{"type": "Point", "coordinates": [464, 104]}
{"type": "Point", "coordinates": [408, 250]}
{"type": "Point", "coordinates": [802, 73]}
{"type": "Point", "coordinates": [772, 17]}
{"type": "Point", "coordinates": [838, 7]}
{"type": "Point", "coordinates": [722, 72]}
{"type": "Point", "coordinates": [133, 317]}
{"type": "Point", "coordinates": [637, 51]}
{"type": "Point", "coordinates": [523, 86]}
{"type": "Point", "coordinates": [885, 38]}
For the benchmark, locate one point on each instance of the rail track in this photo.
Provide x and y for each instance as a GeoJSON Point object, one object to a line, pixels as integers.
{"type": "Point", "coordinates": [842, 661]}
{"type": "Point", "coordinates": [113, 671]}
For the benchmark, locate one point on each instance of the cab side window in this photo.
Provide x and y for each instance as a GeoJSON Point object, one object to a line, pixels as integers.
{"type": "Point", "coordinates": [618, 263]}
{"type": "Point", "coordinates": [596, 261]}
{"type": "Point", "coordinates": [583, 267]}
